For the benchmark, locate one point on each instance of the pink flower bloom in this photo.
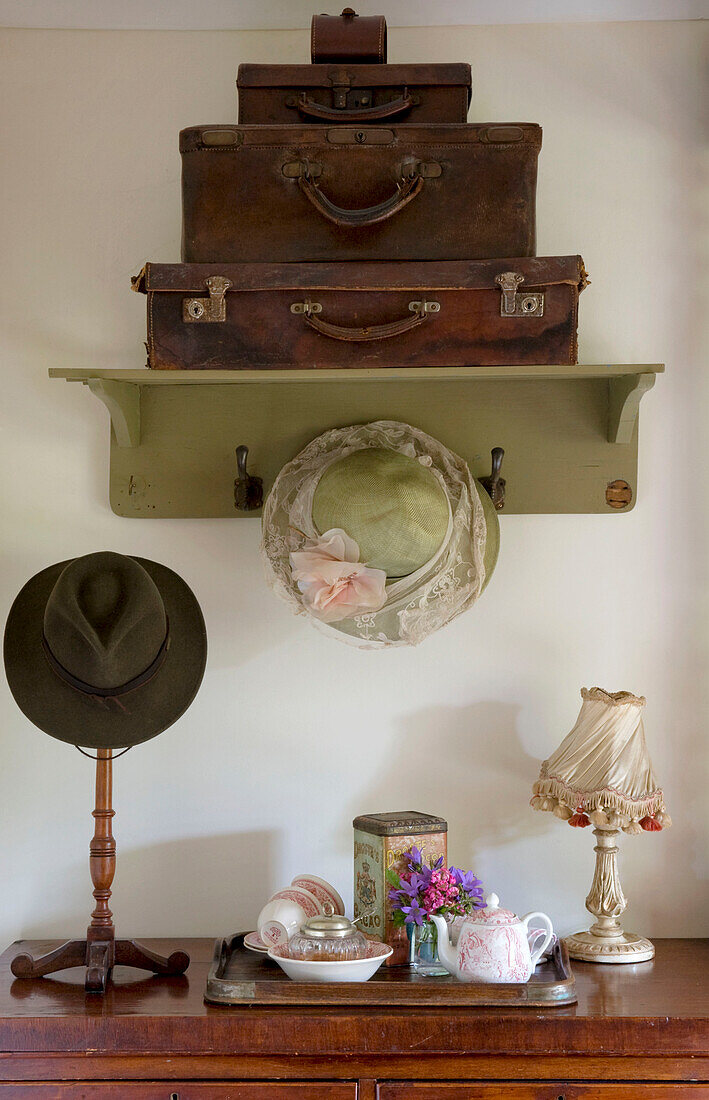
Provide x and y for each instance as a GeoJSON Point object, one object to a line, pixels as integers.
{"type": "Point", "coordinates": [334, 583]}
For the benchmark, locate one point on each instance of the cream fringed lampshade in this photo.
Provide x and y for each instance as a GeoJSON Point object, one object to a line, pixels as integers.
{"type": "Point", "coordinates": [601, 775]}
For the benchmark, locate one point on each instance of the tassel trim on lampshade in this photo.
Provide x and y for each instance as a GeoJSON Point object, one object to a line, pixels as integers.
{"type": "Point", "coordinates": [604, 809]}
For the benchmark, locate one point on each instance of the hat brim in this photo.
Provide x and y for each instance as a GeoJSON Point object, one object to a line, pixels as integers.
{"type": "Point", "coordinates": [67, 714]}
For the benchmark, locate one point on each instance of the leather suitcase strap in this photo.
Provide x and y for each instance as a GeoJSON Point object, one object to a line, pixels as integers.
{"type": "Point", "coordinates": [348, 37]}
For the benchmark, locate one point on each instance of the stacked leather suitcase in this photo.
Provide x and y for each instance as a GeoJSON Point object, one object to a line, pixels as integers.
{"type": "Point", "coordinates": [353, 218]}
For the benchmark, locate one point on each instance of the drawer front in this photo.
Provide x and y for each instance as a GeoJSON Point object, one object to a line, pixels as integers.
{"type": "Point", "coordinates": [176, 1090]}
{"type": "Point", "coordinates": [403, 1090]}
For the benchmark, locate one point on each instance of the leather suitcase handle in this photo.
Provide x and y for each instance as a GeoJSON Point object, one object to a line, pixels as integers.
{"type": "Point", "coordinates": [406, 190]}
{"type": "Point", "coordinates": [364, 334]}
{"type": "Point", "coordinates": [394, 107]}
{"type": "Point", "coordinates": [348, 37]}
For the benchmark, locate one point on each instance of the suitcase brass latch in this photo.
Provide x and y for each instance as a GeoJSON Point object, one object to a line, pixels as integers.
{"type": "Point", "coordinates": [207, 310]}
{"type": "Point", "coordinates": [341, 82]}
{"type": "Point", "coordinates": [425, 307]}
{"type": "Point", "coordinates": [307, 307]}
{"type": "Point", "coordinates": [514, 304]}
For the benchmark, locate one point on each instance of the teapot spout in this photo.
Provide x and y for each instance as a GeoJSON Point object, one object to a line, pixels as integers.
{"type": "Point", "coordinates": [446, 952]}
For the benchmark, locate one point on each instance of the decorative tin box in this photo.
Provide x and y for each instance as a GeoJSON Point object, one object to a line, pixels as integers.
{"type": "Point", "coordinates": [380, 841]}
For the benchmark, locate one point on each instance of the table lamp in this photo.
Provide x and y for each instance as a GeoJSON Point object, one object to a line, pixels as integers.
{"type": "Point", "coordinates": [601, 775]}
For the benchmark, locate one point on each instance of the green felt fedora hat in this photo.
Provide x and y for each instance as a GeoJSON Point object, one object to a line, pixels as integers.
{"type": "Point", "coordinates": [105, 650]}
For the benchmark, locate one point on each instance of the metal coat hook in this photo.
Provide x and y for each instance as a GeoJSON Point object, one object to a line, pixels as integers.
{"type": "Point", "coordinates": [248, 490]}
{"type": "Point", "coordinates": [494, 484]}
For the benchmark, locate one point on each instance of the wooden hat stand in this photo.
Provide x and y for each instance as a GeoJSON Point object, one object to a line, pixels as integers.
{"type": "Point", "coordinates": [100, 951]}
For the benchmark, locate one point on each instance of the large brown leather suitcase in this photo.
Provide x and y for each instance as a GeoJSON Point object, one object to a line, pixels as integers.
{"type": "Point", "coordinates": [353, 94]}
{"type": "Point", "coordinates": [304, 193]}
{"type": "Point", "coordinates": [459, 313]}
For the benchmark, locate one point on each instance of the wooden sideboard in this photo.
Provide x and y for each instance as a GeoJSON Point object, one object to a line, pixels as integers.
{"type": "Point", "coordinates": [637, 1031]}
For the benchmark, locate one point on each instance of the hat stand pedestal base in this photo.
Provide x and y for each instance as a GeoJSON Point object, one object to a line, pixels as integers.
{"type": "Point", "coordinates": [100, 951]}
{"type": "Point", "coordinates": [605, 941]}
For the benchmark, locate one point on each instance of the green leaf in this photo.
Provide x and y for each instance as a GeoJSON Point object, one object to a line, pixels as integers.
{"type": "Point", "coordinates": [393, 879]}
{"type": "Point", "coordinates": [398, 919]}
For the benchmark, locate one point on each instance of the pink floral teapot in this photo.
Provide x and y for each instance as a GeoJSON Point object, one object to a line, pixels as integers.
{"type": "Point", "coordinates": [493, 945]}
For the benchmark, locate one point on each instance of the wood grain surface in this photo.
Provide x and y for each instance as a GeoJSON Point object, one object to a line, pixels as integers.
{"type": "Point", "coordinates": [647, 1022]}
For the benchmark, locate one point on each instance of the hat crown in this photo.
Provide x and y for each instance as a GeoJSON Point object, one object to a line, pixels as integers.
{"type": "Point", "coordinates": [392, 505]}
{"type": "Point", "coordinates": [105, 620]}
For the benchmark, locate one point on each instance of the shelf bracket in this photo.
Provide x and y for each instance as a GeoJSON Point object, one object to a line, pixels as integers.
{"type": "Point", "coordinates": [624, 399]}
{"type": "Point", "coordinates": [123, 403]}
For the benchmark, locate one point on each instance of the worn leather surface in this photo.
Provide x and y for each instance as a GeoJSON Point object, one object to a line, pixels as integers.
{"type": "Point", "coordinates": [285, 94]}
{"type": "Point", "coordinates": [261, 331]}
{"type": "Point", "coordinates": [243, 202]}
{"type": "Point", "coordinates": [348, 37]}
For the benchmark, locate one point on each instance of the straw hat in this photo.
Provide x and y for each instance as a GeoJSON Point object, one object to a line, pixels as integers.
{"type": "Point", "coordinates": [105, 650]}
{"type": "Point", "coordinates": [379, 533]}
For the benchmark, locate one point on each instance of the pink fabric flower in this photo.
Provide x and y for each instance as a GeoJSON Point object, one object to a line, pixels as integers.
{"type": "Point", "coordinates": [334, 583]}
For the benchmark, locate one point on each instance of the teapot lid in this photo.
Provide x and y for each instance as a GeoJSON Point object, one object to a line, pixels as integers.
{"type": "Point", "coordinates": [492, 914]}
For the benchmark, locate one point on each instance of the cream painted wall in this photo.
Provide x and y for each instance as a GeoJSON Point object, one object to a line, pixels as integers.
{"type": "Point", "coordinates": [292, 734]}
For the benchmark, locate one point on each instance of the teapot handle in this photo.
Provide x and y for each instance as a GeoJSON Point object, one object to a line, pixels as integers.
{"type": "Point", "coordinates": [543, 919]}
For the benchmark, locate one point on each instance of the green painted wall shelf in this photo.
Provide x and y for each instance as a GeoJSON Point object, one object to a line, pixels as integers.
{"type": "Point", "coordinates": [568, 432]}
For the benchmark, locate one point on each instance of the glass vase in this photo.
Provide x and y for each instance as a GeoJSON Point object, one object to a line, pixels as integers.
{"type": "Point", "coordinates": [423, 950]}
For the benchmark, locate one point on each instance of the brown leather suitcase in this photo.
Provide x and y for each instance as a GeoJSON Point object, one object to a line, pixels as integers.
{"type": "Point", "coordinates": [348, 81]}
{"type": "Point", "coordinates": [305, 193]}
{"type": "Point", "coordinates": [349, 94]}
{"type": "Point", "coordinates": [460, 313]}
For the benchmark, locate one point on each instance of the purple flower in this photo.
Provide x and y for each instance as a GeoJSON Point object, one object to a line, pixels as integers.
{"type": "Point", "coordinates": [467, 881]}
{"type": "Point", "coordinates": [413, 914]}
{"type": "Point", "coordinates": [438, 863]}
{"type": "Point", "coordinates": [425, 876]}
{"type": "Point", "coordinates": [415, 855]}
{"type": "Point", "coordinates": [416, 881]}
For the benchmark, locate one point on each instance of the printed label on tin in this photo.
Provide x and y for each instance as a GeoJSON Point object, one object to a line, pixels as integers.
{"type": "Point", "coordinates": [369, 885]}
{"type": "Point", "coordinates": [373, 857]}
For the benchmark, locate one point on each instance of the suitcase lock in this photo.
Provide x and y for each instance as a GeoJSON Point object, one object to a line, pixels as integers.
{"type": "Point", "coordinates": [343, 96]}
{"type": "Point", "coordinates": [207, 310]}
{"type": "Point", "coordinates": [514, 304]}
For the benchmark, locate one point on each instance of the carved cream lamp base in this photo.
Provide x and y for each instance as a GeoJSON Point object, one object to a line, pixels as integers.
{"type": "Point", "coordinates": [626, 948]}
{"type": "Point", "coordinates": [605, 941]}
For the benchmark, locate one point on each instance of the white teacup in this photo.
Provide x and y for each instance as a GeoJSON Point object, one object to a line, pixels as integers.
{"type": "Point", "coordinates": [304, 898]}
{"type": "Point", "coordinates": [278, 920]}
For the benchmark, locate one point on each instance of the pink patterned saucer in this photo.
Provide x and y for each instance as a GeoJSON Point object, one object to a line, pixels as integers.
{"type": "Point", "coordinates": [253, 942]}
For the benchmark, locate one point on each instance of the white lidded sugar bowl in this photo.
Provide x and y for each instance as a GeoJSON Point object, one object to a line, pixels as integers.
{"type": "Point", "coordinates": [493, 944]}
